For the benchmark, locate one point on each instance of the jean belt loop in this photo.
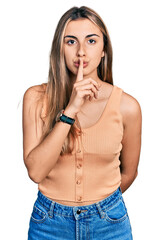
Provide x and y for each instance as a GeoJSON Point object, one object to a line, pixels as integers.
{"type": "Point", "coordinates": [101, 212]}
{"type": "Point", "coordinates": [51, 209]}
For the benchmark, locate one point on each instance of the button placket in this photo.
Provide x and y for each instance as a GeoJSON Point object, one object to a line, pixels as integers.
{"type": "Point", "coordinates": [79, 171]}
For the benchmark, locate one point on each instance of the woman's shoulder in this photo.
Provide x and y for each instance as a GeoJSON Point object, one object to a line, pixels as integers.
{"type": "Point", "coordinates": [35, 92]}
{"type": "Point", "coordinates": [130, 107]}
{"type": "Point", "coordinates": [129, 102]}
{"type": "Point", "coordinates": [36, 98]}
{"type": "Point", "coordinates": [36, 89]}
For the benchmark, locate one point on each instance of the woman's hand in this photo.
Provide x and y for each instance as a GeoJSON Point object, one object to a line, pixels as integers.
{"type": "Point", "coordinates": [82, 89]}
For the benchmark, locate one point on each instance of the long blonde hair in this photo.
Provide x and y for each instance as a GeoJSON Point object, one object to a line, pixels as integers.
{"type": "Point", "coordinates": [59, 86]}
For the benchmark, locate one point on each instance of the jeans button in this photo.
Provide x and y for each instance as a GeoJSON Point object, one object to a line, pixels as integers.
{"type": "Point", "coordinates": [78, 211]}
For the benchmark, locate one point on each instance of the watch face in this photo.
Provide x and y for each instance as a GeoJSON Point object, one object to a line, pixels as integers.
{"type": "Point", "coordinates": [58, 116]}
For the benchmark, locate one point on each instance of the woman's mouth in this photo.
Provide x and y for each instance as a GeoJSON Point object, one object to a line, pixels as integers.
{"type": "Point", "coordinates": [85, 64]}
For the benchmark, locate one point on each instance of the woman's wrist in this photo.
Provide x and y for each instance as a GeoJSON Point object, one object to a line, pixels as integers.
{"type": "Point", "coordinates": [69, 112]}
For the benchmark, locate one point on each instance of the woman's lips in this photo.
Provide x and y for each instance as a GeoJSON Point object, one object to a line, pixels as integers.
{"type": "Point", "coordinates": [85, 64]}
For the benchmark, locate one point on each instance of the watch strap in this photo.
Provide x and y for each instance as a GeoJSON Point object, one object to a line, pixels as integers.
{"type": "Point", "coordinates": [65, 118]}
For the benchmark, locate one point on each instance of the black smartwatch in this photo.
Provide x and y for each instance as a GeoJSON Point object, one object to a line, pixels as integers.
{"type": "Point", "coordinates": [63, 118]}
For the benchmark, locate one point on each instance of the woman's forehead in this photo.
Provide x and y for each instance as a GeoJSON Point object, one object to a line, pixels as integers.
{"type": "Point", "coordinates": [82, 27]}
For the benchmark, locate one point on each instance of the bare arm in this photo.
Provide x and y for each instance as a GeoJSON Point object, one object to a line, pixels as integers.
{"type": "Point", "coordinates": [130, 154]}
{"type": "Point", "coordinates": [40, 157]}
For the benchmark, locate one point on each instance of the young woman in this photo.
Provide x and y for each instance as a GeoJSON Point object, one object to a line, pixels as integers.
{"type": "Point", "coordinates": [81, 137]}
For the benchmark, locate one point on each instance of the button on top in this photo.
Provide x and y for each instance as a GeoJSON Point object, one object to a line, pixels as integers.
{"type": "Point", "coordinates": [79, 198]}
{"type": "Point", "coordinates": [78, 211]}
{"type": "Point", "coordinates": [79, 165]}
{"type": "Point", "coordinates": [78, 181]}
{"type": "Point", "coordinates": [79, 150]}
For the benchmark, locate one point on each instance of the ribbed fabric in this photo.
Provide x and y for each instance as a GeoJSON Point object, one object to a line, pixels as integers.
{"type": "Point", "coordinates": [91, 172]}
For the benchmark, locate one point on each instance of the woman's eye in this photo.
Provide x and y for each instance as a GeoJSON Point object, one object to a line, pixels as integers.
{"type": "Point", "coordinates": [70, 42]}
{"type": "Point", "coordinates": [92, 41]}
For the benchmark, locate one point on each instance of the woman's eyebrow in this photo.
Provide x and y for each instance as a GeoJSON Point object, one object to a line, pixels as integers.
{"type": "Point", "coordinates": [90, 35]}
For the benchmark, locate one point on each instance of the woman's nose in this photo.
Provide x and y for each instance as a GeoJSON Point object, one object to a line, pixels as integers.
{"type": "Point", "coordinates": [81, 51]}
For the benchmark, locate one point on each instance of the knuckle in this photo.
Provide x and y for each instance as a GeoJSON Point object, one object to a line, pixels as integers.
{"type": "Point", "coordinates": [79, 93]}
{"type": "Point", "coordinates": [94, 88]}
{"type": "Point", "coordinates": [93, 81]}
{"type": "Point", "coordinates": [75, 84]}
{"type": "Point", "coordinates": [75, 88]}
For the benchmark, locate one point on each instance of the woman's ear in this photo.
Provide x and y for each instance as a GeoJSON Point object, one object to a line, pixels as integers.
{"type": "Point", "coordinates": [103, 54]}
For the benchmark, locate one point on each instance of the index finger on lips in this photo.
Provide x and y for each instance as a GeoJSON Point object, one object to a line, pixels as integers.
{"type": "Point", "coordinates": [80, 70]}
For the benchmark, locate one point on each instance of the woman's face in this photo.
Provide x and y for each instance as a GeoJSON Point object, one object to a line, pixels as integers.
{"type": "Point", "coordinates": [83, 39]}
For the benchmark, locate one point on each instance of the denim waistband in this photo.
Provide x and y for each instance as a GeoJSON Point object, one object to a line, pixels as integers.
{"type": "Point", "coordinates": [98, 207]}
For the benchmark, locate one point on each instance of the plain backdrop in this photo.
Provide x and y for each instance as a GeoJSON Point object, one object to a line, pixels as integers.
{"type": "Point", "coordinates": [27, 29]}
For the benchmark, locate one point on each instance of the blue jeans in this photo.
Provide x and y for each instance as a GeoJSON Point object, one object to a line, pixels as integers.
{"type": "Point", "coordinates": [104, 220]}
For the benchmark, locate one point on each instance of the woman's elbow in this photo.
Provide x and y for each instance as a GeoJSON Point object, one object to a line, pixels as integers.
{"type": "Point", "coordinates": [136, 174]}
{"type": "Point", "coordinates": [34, 177]}
{"type": "Point", "coordinates": [32, 170]}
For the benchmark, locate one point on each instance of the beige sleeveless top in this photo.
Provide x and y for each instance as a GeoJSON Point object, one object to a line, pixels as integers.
{"type": "Point", "coordinates": [91, 172]}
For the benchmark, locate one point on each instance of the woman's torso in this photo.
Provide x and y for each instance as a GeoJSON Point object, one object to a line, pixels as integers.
{"type": "Point", "coordinates": [88, 117]}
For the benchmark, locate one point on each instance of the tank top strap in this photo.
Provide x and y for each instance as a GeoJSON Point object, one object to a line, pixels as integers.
{"type": "Point", "coordinates": [115, 98]}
